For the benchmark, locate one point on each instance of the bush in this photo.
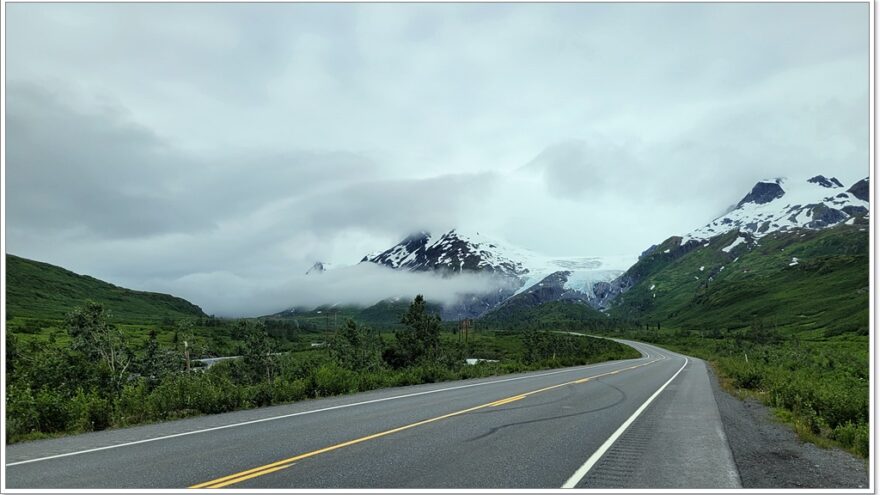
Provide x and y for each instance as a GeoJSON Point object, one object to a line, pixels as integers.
{"type": "Point", "coordinates": [330, 379]}
{"type": "Point", "coordinates": [21, 412]}
{"type": "Point", "coordinates": [90, 411]}
{"type": "Point", "coordinates": [53, 411]}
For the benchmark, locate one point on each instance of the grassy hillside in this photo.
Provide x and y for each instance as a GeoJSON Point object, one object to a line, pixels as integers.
{"type": "Point", "coordinates": [823, 293]}
{"type": "Point", "coordinates": [555, 315]}
{"type": "Point", "coordinates": [41, 290]}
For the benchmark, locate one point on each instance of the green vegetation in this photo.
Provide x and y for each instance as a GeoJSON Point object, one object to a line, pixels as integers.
{"type": "Point", "coordinates": [555, 316]}
{"type": "Point", "coordinates": [100, 378]}
{"type": "Point", "coordinates": [819, 386]}
{"type": "Point", "coordinates": [793, 334]}
{"type": "Point", "coordinates": [824, 293]}
{"type": "Point", "coordinates": [36, 290]}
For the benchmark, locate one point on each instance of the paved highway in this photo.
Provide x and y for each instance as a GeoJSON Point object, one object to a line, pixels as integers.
{"type": "Point", "coordinates": [650, 422]}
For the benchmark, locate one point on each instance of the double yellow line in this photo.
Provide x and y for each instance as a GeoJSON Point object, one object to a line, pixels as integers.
{"type": "Point", "coordinates": [285, 463]}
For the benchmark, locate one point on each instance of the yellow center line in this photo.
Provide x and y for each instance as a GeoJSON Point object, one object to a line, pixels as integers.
{"type": "Point", "coordinates": [284, 463]}
{"type": "Point", "coordinates": [252, 475]}
{"type": "Point", "coordinates": [507, 400]}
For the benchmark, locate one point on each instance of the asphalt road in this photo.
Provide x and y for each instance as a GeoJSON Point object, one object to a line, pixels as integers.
{"type": "Point", "coordinates": [642, 423]}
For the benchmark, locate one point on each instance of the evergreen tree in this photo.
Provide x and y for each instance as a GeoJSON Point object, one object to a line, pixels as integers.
{"type": "Point", "coordinates": [421, 339]}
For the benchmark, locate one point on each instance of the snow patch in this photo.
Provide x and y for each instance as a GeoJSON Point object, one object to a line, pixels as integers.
{"type": "Point", "coordinates": [735, 243]}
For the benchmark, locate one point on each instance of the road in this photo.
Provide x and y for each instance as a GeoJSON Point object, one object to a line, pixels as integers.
{"type": "Point", "coordinates": [650, 422]}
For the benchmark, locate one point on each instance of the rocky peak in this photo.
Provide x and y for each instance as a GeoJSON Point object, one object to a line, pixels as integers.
{"type": "Point", "coordinates": [860, 189]}
{"type": "Point", "coordinates": [763, 192]}
{"type": "Point", "coordinates": [822, 181]}
{"type": "Point", "coordinates": [406, 251]}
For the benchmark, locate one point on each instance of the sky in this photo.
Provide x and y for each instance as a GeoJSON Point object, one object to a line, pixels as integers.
{"type": "Point", "coordinates": [216, 151]}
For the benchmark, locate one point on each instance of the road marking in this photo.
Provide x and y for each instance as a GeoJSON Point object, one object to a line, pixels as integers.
{"type": "Point", "coordinates": [266, 468]}
{"type": "Point", "coordinates": [254, 475]}
{"type": "Point", "coordinates": [583, 470]}
{"type": "Point", "coordinates": [331, 408]}
{"type": "Point", "coordinates": [507, 400]}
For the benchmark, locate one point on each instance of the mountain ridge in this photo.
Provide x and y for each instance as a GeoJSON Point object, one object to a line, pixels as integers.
{"type": "Point", "coordinates": [38, 289]}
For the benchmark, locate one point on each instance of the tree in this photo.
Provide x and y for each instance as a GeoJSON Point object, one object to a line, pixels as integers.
{"type": "Point", "coordinates": [258, 353]}
{"type": "Point", "coordinates": [357, 348]}
{"type": "Point", "coordinates": [156, 362]}
{"type": "Point", "coordinates": [92, 335]}
{"type": "Point", "coordinates": [421, 339]}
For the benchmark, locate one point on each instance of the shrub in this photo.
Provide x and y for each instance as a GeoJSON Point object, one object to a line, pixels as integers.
{"type": "Point", "coordinates": [90, 411]}
{"type": "Point", "coordinates": [52, 410]}
{"type": "Point", "coordinates": [21, 412]}
{"type": "Point", "coordinates": [330, 379]}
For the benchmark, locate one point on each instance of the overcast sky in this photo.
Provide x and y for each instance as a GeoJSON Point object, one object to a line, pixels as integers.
{"type": "Point", "coordinates": [217, 150]}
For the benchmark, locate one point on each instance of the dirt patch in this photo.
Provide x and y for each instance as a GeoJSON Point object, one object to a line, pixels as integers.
{"type": "Point", "coordinates": [769, 454]}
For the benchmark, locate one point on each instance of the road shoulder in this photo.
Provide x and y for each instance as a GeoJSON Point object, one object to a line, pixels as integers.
{"type": "Point", "coordinates": [769, 454]}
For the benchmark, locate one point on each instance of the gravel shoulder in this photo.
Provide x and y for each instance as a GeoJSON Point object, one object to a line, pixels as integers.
{"type": "Point", "coordinates": [769, 454]}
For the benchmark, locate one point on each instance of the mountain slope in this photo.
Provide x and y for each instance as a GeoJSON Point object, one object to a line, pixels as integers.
{"type": "Point", "coordinates": [531, 278]}
{"type": "Point", "coordinates": [40, 290]}
{"type": "Point", "coordinates": [809, 273]}
{"type": "Point", "coordinates": [803, 281]}
{"type": "Point", "coordinates": [780, 205]}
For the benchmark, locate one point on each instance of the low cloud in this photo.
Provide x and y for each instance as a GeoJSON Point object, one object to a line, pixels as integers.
{"type": "Point", "coordinates": [364, 284]}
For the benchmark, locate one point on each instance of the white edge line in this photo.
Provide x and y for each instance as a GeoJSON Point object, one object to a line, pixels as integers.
{"type": "Point", "coordinates": [302, 413]}
{"type": "Point", "coordinates": [583, 470]}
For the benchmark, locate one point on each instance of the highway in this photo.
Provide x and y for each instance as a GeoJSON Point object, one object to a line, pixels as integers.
{"type": "Point", "coordinates": [650, 422]}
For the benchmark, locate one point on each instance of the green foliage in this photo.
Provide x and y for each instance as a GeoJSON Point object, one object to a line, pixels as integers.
{"type": "Point", "coordinates": [357, 348]}
{"type": "Point", "coordinates": [56, 389]}
{"type": "Point", "coordinates": [826, 291]}
{"type": "Point", "coordinates": [420, 340]}
{"type": "Point", "coordinates": [259, 352]}
{"type": "Point", "coordinates": [92, 335]}
{"type": "Point", "coordinates": [820, 387]}
{"type": "Point", "coordinates": [556, 315]}
{"type": "Point", "coordinates": [41, 290]}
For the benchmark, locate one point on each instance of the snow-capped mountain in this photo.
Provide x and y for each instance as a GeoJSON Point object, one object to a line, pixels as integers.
{"type": "Point", "coordinates": [527, 278]}
{"type": "Point", "coordinates": [776, 205]}
{"type": "Point", "coordinates": [538, 277]}
{"type": "Point", "coordinates": [781, 205]}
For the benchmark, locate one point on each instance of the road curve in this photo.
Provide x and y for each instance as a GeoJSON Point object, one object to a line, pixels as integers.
{"type": "Point", "coordinates": [650, 422]}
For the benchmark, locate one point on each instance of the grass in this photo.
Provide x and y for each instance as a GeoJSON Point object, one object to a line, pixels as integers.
{"type": "Point", "coordinates": [41, 291]}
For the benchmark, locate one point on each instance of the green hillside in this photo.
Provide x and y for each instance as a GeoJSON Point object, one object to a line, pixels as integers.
{"type": "Point", "coordinates": [41, 290]}
{"type": "Point", "coordinates": [823, 293]}
{"type": "Point", "coordinates": [555, 315]}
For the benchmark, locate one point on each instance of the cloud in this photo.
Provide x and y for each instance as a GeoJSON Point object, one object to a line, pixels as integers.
{"type": "Point", "coordinates": [213, 147]}
{"type": "Point", "coordinates": [364, 284]}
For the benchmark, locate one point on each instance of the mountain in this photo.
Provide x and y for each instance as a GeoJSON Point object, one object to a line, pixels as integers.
{"type": "Point", "coordinates": [780, 205]}
{"type": "Point", "coordinates": [528, 278]}
{"type": "Point", "coordinates": [792, 210]}
{"type": "Point", "coordinates": [40, 290]}
{"type": "Point", "coordinates": [811, 280]}
{"type": "Point", "coordinates": [807, 272]}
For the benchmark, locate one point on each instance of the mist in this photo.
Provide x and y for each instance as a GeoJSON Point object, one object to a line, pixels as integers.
{"type": "Point", "coordinates": [228, 295]}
